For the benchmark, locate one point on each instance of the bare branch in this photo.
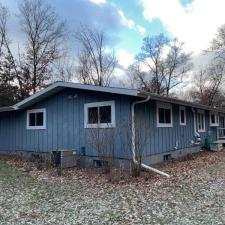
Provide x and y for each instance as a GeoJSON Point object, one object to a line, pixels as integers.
{"type": "Point", "coordinates": [166, 62]}
{"type": "Point", "coordinates": [96, 66]}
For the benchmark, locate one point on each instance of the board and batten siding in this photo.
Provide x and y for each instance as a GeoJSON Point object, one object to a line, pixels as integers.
{"type": "Point", "coordinates": [65, 124]}
{"type": "Point", "coordinates": [167, 139]}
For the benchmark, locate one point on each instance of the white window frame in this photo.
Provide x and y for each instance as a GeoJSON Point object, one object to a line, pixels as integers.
{"type": "Point", "coordinates": [216, 124]}
{"type": "Point", "coordinates": [100, 125]}
{"type": "Point", "coordinates": [185, 117]}
{"type": "Point", "coordinates": [164, 106]}
{"type": "Point", "coordinates": [43, 110]}
{"type": "Point", "coordinates": [201, 112]}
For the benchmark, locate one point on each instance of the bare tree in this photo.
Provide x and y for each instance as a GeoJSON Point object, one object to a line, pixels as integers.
{"type": "Point", "coordinates": [95, 64]}
{"type": "Point", "coordinates": [207, 85]}
{"type": "Point", "coordinates": [44, 37]}
{"type": "Point", "coordinates": [64, 69]}
{"type": "Point", "coordinates": [8, 68]}
{"type": "Point", "coordinates": [166, 64]}
{"type": "Point", "coordinates": [4, 39]}
{"type": "Point", "coordinates": [218, 44]}
{"type": "Point", "coordinates": [103, 141]}
{"type": "Point", "coordinates": [3, 27]}
{"type": "Point", "coordinates": [138, 137]}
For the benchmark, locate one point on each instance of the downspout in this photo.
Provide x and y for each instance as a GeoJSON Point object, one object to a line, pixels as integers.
{"type": "Point", "coordinates": [196, 134]}
{"type": "Point", "coordinates": [133, 139]}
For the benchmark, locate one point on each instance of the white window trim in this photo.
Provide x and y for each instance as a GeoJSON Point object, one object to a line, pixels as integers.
{"type": "Point", "coordinates": [164, 106]}
{"type": "Point", "coordinates": [185, 117]}
{"type": "Point", "coordinates": [203, 112]}
{"type": "Point", "coordinates": [44, 119]}
{"type": "Point", "coordinates": [100, 125]}
{"type": "Point", "coordinates": [216, 124]}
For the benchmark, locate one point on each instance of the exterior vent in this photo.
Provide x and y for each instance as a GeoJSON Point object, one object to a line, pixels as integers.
{"type": "Point", "coordinates": [99, 163]}
{"type": "Point", "coordinates": [167, 157]}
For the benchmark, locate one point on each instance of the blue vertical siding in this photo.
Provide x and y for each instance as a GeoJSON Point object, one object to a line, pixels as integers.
{"type": "Point", "coordinates": [165, 139]}
{"type": "Point", "coordinates": [65, 126]}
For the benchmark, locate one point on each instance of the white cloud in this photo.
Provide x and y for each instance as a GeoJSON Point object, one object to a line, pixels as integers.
{"type": "Point", "coordinates": [98, 2]}
{"type": "Point", "coordinates": [125, 21]}
{"type": "Point", "coordinates": [141, 30]}
{"type": "Point", "coordinates": [119, 73]}
{"type": "Point", "coordinates": [125, 58]}
{"type": "Point", "coordinates": [195, 24]}
{"type": "Point", "coordinates": [130, 23]}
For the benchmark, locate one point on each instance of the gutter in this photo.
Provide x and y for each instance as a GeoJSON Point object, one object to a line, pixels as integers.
{"type": "Point", "coordinates": [133, 139]}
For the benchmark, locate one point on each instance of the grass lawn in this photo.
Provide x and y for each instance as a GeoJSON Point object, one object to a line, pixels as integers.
{"type": "Point", "coordinates": [194, 194]}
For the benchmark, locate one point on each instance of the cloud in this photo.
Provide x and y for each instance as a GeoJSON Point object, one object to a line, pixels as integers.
{"type": "Point", "coordinates": [141, 30]}
{"type": "Point", "coordinates": [125, 58]}
{"type": "Point", "coordinates": [195, 23]}
{"type": "Point", "coordinates": [98, 2]}
{"type": "Point", "coordinates": [130, 23]}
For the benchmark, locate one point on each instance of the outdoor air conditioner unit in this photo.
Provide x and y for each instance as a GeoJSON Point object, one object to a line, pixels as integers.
{"type": "Point", "coordinates": [63, 158]}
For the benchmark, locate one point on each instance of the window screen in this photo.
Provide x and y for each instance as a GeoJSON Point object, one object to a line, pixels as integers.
{"type": "Point", "coordinates": [35, 119]}
{"type": "Point", "coordinates": [93, 115]}
{"type": "Point", "coordinates": [32, 119]}
{"type": "Point", "coordinates": [105, 114]}
{"type": "Point", "coordinates": [164, 115]}
{"type": "Point", "coordinates": [213, 119]}
{"type": "Point", "coordinates": [100, 114]}
{"type": "Point", "coordinates": [201, 121]}
{"type": "Point", "coordinates": [182, 116]}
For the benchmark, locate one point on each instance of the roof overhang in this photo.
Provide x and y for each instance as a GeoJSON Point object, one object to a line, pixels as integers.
{"type": "Point", "coordinates": [58, 86]}
{"type": "Point", "coordinates": [180, 102]}
{"type": "Point", "coordinates": [6, 109]}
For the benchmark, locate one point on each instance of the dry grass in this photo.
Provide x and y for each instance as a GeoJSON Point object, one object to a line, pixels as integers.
{"type": "Point", "coordinates": [194, 194]}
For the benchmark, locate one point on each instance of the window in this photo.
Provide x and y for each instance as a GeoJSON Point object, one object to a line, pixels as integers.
{"type": "Point", "coordinates": [214, 119]}
{"type": "Point", "coordinates": [182, 115]}
{"type": "Point", "coordinates": [201, 121]}
{"type": "Point", "coordinates": [164, 115]}
{"type": "Point", "coordinates": [36, 119]}
{"type": "Point", "coordinates": [99, 114]}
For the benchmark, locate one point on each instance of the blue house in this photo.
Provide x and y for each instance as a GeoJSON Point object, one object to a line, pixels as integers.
{"type": "Point", "coordinates": [92, 122]}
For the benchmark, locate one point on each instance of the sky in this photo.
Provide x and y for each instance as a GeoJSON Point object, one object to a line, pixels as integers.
{"type": "Point", "coordinates": [127, 22]}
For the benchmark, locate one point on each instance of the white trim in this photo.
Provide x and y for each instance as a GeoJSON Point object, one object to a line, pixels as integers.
{"type": "Point", "coordinates": [201, 112]}
{"type": "Point", "coordinates": [44, 119]}
{"type": "Point", "coordinates": [216, 124]}
{"type": "Point", "coordinates": [100, 125]}
{"type": "Point", "coordinates": [164, 106]}
{"type": "Point", "coordinates": [185, 117]}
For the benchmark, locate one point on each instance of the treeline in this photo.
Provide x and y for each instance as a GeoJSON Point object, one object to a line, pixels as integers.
{"type": "Point", "coordinates": [161, 66]}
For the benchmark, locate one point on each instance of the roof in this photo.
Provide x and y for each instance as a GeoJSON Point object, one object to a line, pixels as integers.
{"type": "Point", "coordinates": [6, 109]}
{"type": "Point", "coordinates": [181, 102]}
{"type": "Point", "coordinates": [58, 86]}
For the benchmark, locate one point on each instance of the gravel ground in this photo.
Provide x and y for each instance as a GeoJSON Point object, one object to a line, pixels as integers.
{"type": "Point", "coordinates": [194, 194]}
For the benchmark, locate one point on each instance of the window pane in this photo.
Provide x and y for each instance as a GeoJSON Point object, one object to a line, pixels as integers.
{"type": "Point", "coordinates": [32, 119]}
{"type": "Point", "coordinates": [199, 121]}
{"type": "Point", "coordinates": [93, 115]}
{"type": "Point", "coordinates": [105, 114]}
{"type": "Point", "coordinates": [167, 116]}
{"type": "Point", "coordinates": [202, 121]}
{"type": "Point", "coordinates": [213, 120]}
{"type": "Point", "coordinates": [182, 119]}
{"type": "Point", "coordinates": [40, 119]}
{"type": "Point", "coordinates": [161, 115]}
